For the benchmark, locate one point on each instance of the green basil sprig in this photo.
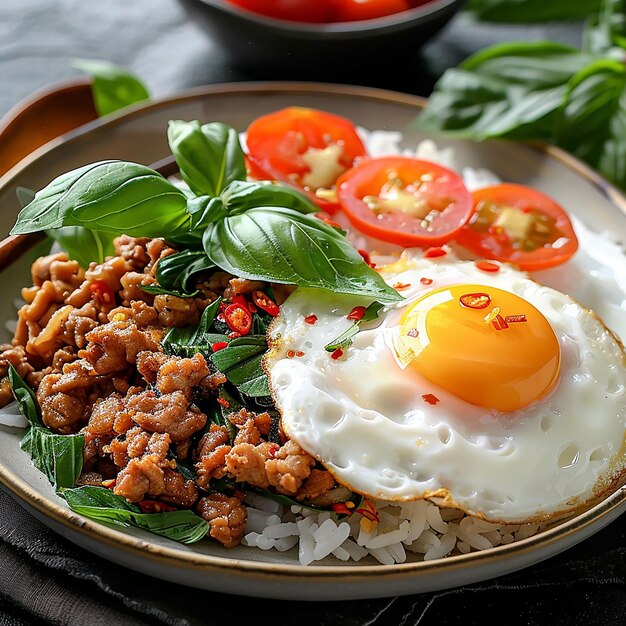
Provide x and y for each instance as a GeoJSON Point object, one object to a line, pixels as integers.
{"type": "Point", "coordinates": [110, 196]}
{"type": "Point", "coordinates": [544, 91]}
{"type": "Point", "coordinates": [209, 155]}
{"type": "Point", "coordinates": [59, 457]}
{"type": "Point", "coordinates": [524, 11]}
{"type": "Point", "coordinates": [113, 87]}
{"type": "Point", "coordinates": [101, 505]}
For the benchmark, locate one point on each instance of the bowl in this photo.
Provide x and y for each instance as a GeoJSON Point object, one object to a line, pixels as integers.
{"type": "Point", "coordinates": [319, 51]}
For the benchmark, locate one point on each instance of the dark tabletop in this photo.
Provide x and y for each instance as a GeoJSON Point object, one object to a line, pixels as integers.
{"type": "Point", "coordinates": [46, 579]}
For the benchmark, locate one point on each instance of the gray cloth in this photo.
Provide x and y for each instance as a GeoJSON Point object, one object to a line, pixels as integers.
{"type": "Point", "coordinates": [46, 579]}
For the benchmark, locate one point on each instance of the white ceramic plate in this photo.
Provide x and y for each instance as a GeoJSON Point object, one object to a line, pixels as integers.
{"type": "Point", "coordinates": [140, 136]}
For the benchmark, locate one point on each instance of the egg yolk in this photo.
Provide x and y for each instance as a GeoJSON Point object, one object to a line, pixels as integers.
{"type": "Point", "coordinates": [484, 345]}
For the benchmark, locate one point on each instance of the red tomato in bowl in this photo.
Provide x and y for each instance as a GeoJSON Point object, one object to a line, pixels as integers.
{"type": "Point", "coordinates": [356, 10]}
{"type": "Point", "coordinates": [306, 148]}
{"type": "Point", "coordinates": [519, 225]}
{"type": "Point", "coordinates": [405, 201]}
{"type": "Point", "coordinates": [315, 11]}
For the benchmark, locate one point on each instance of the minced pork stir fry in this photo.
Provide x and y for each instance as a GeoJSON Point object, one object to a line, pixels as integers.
{"type": "Point", "coordinates": [90, 344]}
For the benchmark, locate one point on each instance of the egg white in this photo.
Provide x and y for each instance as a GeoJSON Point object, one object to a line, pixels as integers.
{"type": "Point", "coordinates": [364, 417]}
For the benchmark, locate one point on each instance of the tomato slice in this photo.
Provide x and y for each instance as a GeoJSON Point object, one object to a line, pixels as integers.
{"type": "Point", "coordinates": [306, 148]}
{"type": "Point", "coordinates": [519, 225]}
{"type": "Point", "coordinates": [405, 201]}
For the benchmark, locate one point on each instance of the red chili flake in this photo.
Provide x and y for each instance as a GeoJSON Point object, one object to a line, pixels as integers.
{"type": "Point", "coordinates": [502, 322]}
{"type": "Point", "coordinates": [430, 398]}
{"type": "Point", "coordinates": [311, 319]}
{"type": "Point", "coordinates": [487, 266]}
{"type": "Point", "coordinates": [512, 319]}
{"type": "Point", "coordinates": [337, 354]}
{"type": "Point", "coordinates": [238, 318]}
{"type": "Point", "coordinates": [252, 308]}
{"type": "Point", "coordinates": [265, 302]}
{"type": "Point", "coordinates": [426, 281]}
{"type": "Point", "coordinates": [356, 314]}
{"type": "Point", "coordinates": [102, 292]}
{"type": "Point", "coordinates": [400, 286]}
{"type": "Point", "coordinates": [273, 450]}
{"type": "Point", "coordinates": [368, 511]}
{"type": "Point", "coordinates": [225, 403]}
{"type": "Point", "coordinates": [219, 345]}
{"type": "Point", "coordinates": [432, 253]}
{"type": "Point", "coordinates": [234, 335]}
{"type": "Point", "coordinates": [109, 484]}
{"type": "Point", "coordinates": [291, 354]}
{"type": "Point", "coordinates": [413, 333]}
{"type": "Point", "coordinates": [366, 257]}
{"type": "Point", "coordinates": [340, 508]}
{"type": "Point", "coordinates": [152, 506]}
{"type": "Point", "coordinates": [475, 300]}
{"type": "Point", "coordinates": [299, 353]}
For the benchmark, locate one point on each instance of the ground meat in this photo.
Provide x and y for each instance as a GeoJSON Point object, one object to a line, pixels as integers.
{"type": "Point", "coordinates": [138, 478]}
{"type": "Point", "coordinates": [133, 250]}
{"type": "Point", "coordinates": [226, 516]}
{"type": "Point", "coordinates": [80, 322]}
{"type": "Point", "coordinates": [114, 345]}
{"type": "Point", "coordinates": [289, 467]}
{"type": "Point", "coordinates": [247, 463]}
{"type": "Point", "coordinates": [238, 286]}
{"type": "Point", "coordinates": [63, 407]}
{"type": "Point", "coordinates": [244, 420]}
{"type": "Point", "coordinates": [212, 450]}
{"type": "Point", "coordinates": [16, 356]}
{"type": "Point", "coordinates": [175, 311]}
{"type": "Point", "coordinates": [157, 249]}
{"type": "Point", "coordinates": [104, 414]}
{"type": "Point", "coordinates": [166, 414]}
{"type": "Point", "coordinates": [131, 287]}
{"type": "Point", "coordinates": [177, 490]}
{"type": "Point", "coordinates": [318, 483]}
{"type": "Point", "coordinates": [139, 313]}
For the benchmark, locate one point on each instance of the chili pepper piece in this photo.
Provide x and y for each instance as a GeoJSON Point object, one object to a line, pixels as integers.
{"type": "Point", "coordinates": [264, 302]}
{"type": "Point", "coordinates": [487, 266]}
{"type": "Point", "coordinates": [311, 319]}
{"type": "Point", "coordinates": [432, 253]}
{"type": "Point", "coordinates": [219, 345]}
{"type": "Point", "coordinates": [430, 398]}
{"type": "Point", "coordinates": [513, 319]}
{"type": "Point", "coordinates": [238, 318]}
{"type": "Point", "coordinates": [475, 300]}
{"type": "Point", "coordinates": [356, 314]}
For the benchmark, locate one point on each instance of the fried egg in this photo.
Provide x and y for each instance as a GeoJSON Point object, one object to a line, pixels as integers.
{"type": "Point", "coordinates": [481, 390]}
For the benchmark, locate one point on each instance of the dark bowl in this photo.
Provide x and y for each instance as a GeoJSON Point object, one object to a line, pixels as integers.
{"type": "Point", "coordinates": [294, 49]}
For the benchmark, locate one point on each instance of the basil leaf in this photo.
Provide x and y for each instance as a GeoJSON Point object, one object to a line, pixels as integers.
{"type": "Point", "coordinates": [209, 155]}
{"type": "Point", "coordinates": [240, 196]}
{"type": "Point", "coordinates": [157, 290]}
{"type": "Point", "coordinates": [113, 86]}
{"type": "Point", "coordinates": [59, 457]}
{"type": "Point", "coordinates": [101, 505]}
{"type": "Point", "coordinates": [176, 270]}
{"type": "Point", "coordinates": [283, 246]}
{"type": "Point", "coordinates": [514, 90]}
{"type": "Point", "coordinates": [346, 338]}
{"type": "Point", "coordinates": [193, 339]}
{"type": "Point", "coordinates": [607, 30]}
{"type": "Point", "coordinates": [514, 11]}
{"type": "Point", "coordinates": [110, 196]}
{"type": "Point", "coordinates": [25, 397]}
{"type": "Point", "coordinates": [24, 195]}
{"type": "Point", "coordinates": [83, 245]}
{"type": "Point", "coordinates": [241, 363]}
{"type": "Point", "coordinates": [204, 210]}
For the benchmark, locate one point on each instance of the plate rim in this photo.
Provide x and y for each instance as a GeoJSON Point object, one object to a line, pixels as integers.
{"type": "Point", "coordinates": [179, 559]}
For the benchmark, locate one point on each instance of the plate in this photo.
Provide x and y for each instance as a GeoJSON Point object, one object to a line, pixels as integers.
{"type": "Point", "coordinates": [139, 135]}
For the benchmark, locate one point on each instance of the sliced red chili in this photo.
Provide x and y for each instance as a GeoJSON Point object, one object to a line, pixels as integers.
{"type": "Point", "coordinates": [225, 403]}
{"type": "Point", "coordinates": [400, 286]}
{"type": "Point", "coordinates": [234, 335]}
{"type": "Point", "coordinates": [291, 354]}
{"type": "Point", "coordinates": [109, 484]}
{"type": "Point", "coordinates": [413, 333]}
{"type": "Point", "coordinates": [340, 508]}
{"type": "Point", "coordinates": [311, 319]}
{"type": "Point", "coordinates": [102, 292]}
{"type": "Point", "coordinates": [430, 398]}
{"type": "Point", "coordinates": [356, 314]}
{"type": "Point", "coordinates": [240, 300]}
{"type": "Point", "coordinates": [432, 253]}
{"type": "Point", "coordinates": [152, 506]}
{"type": "Point", "coordinates": [512, 319]}
{"type": "Point", "coordinates": [487, 266]}
{"type": "Point", "coordinates": [366, 257]}
{"type": "Point", "coordinates": [502, 322]}
{"type": "Point", "coordinates": [219, 345]}
{"type": "Point", "coordinates": [238, 318]}
{"type": "Point", "coordinates": [265, 302]}
{"type": "Point", "coordinates": [426, 281]}
{"type": "Point", "coordinates": [324, 217]}
{"type": "Point", "coordinates": [475, 300]}
{"type": "Point", "coordinates": [337, 354]}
